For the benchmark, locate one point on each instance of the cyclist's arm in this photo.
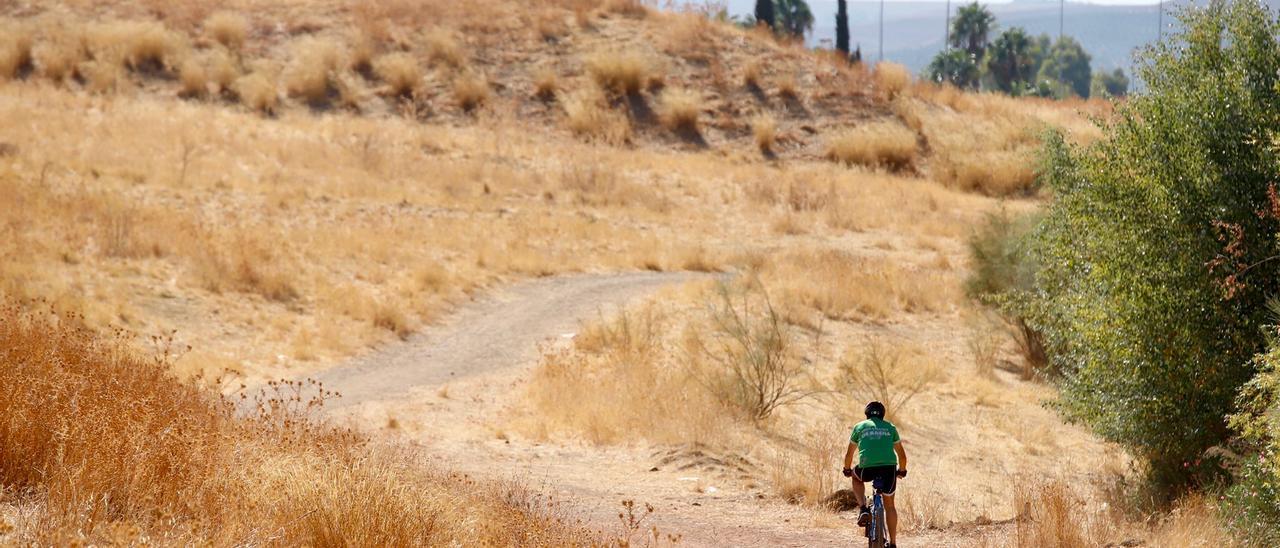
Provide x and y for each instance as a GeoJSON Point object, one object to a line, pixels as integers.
{"type": "Point", "coordinates": [848, 455]}
{"type": "Point", "coordinates": [902, 455]}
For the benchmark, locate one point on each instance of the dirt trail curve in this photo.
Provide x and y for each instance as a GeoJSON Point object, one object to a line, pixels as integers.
{"type": "Point", "coordinates": [499, 331]}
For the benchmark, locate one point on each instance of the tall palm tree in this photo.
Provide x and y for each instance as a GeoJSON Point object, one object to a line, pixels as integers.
{"type": "Point", "coordinates": [1010, 61]}
{"type": "Point", "coordinates": [971, 29]}
{"type": "Point", "coordinates": [794, 17]}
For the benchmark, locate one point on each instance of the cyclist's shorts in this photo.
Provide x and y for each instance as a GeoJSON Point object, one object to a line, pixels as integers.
{"type": "Point", "coordinates": [884, 478]}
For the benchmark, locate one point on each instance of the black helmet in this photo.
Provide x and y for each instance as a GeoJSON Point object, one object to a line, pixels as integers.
{"type": "Point", "coordinates": [874, 409]}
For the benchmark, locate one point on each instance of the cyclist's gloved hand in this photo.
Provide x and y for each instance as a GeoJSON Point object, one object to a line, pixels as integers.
{"type": "Point", "coordinates": [848, 472]}
{"type": "Point", "coordinates": [902, 473]}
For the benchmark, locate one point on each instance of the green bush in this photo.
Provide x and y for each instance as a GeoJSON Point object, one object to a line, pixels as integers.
{"type": "Point", "coordinates": [1003, 276]}
{"type": "Point", "coordinates": [1252, 505]}
{"type": "Point", "coordinates": [1155, 275]}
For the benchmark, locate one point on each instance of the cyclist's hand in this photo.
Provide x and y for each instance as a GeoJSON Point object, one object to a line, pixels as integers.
{"type": "Point", "coordinates": [848, 472]}
{"type": "Point", "coordinates": [902, 473]}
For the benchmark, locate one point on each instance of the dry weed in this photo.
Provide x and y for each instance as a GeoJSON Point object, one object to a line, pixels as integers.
{"type": "Point", "coordinates": [470, 90]}
{"type": "Point", "coordinates": [752, 73]}
{"type": "Point", "coordinates": [843, 286]}
{"type": "Point", "coordinates": [312, 70]}
{"type": "Point", "coordinates": [258, 92]}
{"type": "Point", "coordinates": [222, 70]}
{"type": "Point", "coordinates": [879, 144]}
{"type": "Point", "coordinates": [680, 109]}
{"type": "Point", "coordinates": [887, 372]}
{"type": "Point", "coordinates": [621, 73]}
{"type": "Point", "coordinates": [588, 114]}
{"type": "Point", "coordinates": [400, 71]}
{"type": "Point", "coordinates": [194, 79]}
{"type": "Point", "coordinates": [892, 79]}
{"type": "Point", "coordinates": [764, 128]}
{"type": "Point", "coordinates": [442, 47]}
{"type": "Point", "coordinates": [545, 83]}
{"type": "Point", "coordinates": [15, 49]}
{"type": "Point", "coordinates": [227, 28]}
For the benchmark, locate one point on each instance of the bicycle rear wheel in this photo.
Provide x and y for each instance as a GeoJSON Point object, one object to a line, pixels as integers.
{"type": "Point", "coordinates": [880, 533]}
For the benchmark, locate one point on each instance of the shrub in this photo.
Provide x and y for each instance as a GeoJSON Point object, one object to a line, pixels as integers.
{"type": "Point", "coordinates": [258, 92]}
{"type": "Point", "coordinates": [222, 70]}
{"type": "Point", "coordinates": [15, 50]}
{"type": "Point", "coordinates": [765, 130]}
{"type": "Point", "coordinates": [589, 115]}
{"type": "Point", "coordinates": [788, 88]}
{"type": "Point", "coordinates": [756, 368]}
{"type": "Point", "coordinates": [442, 47]}
{"type": "Point", "coordinates": [312, 70]}
{"type": "Point", "coordinates": [887, 373]}
{"type": "Point", "coordinates": [680, 109]}
{"type": "Point", "coordinates": [751, 74]}
{"type": "Point", "coordinates": [151, 47]}
{"type": "Point", "coordinates": [1155, 251]}
{"type": "Point", "coordinates": [56, 58]}
{"type": "Point", "coordinates": [879, 144]}
{"type": "Point", "coordinates": [227, 28]}
{"type": "Point", "coordinates": [621, 73]}
{"type": "Point", "coordinates": [545, 84]}
{"type": "Point", "coordinates": [193, 77]}
{"type": "Point", "coordinates": [892, 78]}
{"type": "Point", "coordinates": [1003, 275]}
{"type": "Point", "coordinates": [470, 90]}
{"type": "Point", "coordinates": [400, 71]}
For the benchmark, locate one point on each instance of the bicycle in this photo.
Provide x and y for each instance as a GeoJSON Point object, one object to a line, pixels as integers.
{"type": "Point", "coordinates": [877, 531]}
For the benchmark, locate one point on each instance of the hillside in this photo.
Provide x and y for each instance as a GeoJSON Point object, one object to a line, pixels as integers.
{"type": "Point", "coordinates": [310, 188]}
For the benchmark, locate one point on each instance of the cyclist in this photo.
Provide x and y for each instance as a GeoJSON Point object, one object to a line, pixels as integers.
{"type": "Point", "coordinates": [881, 461]}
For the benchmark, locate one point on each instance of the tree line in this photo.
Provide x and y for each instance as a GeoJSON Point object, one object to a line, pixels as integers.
{"type": "Point", "coordinates": [1018, 63]}
{"type": "Point", "coordinates": [1014, 62]}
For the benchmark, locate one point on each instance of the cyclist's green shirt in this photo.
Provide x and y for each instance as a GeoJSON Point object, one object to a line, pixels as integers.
{"type": "Point", "coordinates": [875, 439]}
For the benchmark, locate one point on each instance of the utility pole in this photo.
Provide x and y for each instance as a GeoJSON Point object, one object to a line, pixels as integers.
{"type": "Point", "coordinates": [881, 30]}
{"type": "Point", "coordinates": [1160, 21]}
{"type": "Point", "coordinates": [946, 29]}
{"type": "Point", "coordinates": [1062, 8]}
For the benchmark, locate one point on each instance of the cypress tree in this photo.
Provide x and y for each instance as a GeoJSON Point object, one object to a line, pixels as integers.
{"type": "Point", "coordinates": [842, 27]}
{"type": "Point", "coordinates": [764, 13]}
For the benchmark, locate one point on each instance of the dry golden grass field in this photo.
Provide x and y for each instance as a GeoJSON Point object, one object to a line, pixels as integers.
{"type": "Point", "coordinates": [198, 199]}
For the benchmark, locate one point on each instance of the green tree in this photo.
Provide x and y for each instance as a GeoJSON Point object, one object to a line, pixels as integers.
{"type": "Point", "coordinates": [794, 17]}
{"type": "Point", "coordinates": [1010, 62]}
{"type": "Point", "coordinates": [765, 14]}
{"type": "Point", "coordinates": [1067, 63]}
{"type": "Point", "coordinates": [955, 66]}
{"type": "Point", "coordinates": [842, 27]}
{"type": "Point", "coordinates": [1110, 84]}
{"type": "Point", "coordinates": [1157, 249]}
{"type": "Point", "coordinates": [971, 28]}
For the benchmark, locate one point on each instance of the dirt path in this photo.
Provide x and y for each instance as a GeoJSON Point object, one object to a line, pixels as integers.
{"type": "Point", "coordinates": [451, 389]}
{"type": "Point", "coordinates": [498, 332]}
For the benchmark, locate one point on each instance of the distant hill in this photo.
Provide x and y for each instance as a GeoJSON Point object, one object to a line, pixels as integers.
{"type": "Point", "coordinates": [913, 31]}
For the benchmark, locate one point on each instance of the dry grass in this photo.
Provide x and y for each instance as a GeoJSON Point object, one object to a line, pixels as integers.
{"type": "Point", "coordinates": [222, 70]}
{"type": "Point", "coordinates": [15, 49]}
{"type": "Point", "coordinates": [443, 48]}
{"type": "Point", "coordinates": [878, 144]}
{"type": "Point", "coordinates": [891, 79]}
{"type": "Point", "coordinates": [588, 115]}
{"type": "Point", "coordinates": [546, 83]}
{"type": "Point", "coordinates": [194, 78]}
{"type": "Point", "coordinates": [752, 74]}
{"type": "Point", "coordinates": [844, 286]}
{"type": "Point", "coordinates": [764, 128]}
{"type": "Point", "coordinates": [312, 70]}
{"type": "Point", "coordinates": [258, 92]}
{"type": "Point", "coordinates": [788, 87]}
{"type": "Point", "coordinates": [680, 109]}
{"type": "Point", "coordinates": [400, 71]}
{"type": "Point", "coordinates": [227, 28]}
{"type": "Point", "coordinates": [56, 59]}
{"type": "Point", "coordinates": [471, 90]}
{"type": "Point", "coordinates": [611, 372]}
{"type": "Point", "coordinates": [619, 72]}
{"type": "Point", "coordinates": [151, 46]}
{"type": "Point", "coordinates": [103, 76]}
{"type": "Point", "coordinates": [628, 8]}
{"type": "Point", "coordinates": [128, 454]}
